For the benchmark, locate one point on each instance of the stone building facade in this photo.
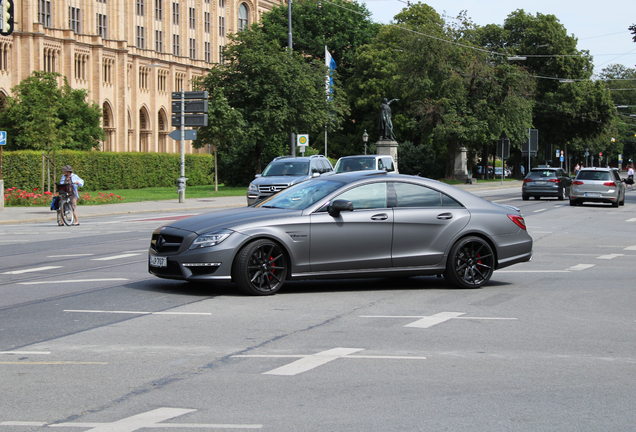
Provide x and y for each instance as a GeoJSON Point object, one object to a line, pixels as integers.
{"type": "Point", "coordinates": [129, 54]}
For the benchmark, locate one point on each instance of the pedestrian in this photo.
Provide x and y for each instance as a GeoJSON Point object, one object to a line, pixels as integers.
{"type": "Point", "coordinates": [74, 179]}
{"type": "Point", "coordinates": [630, 177]}
{"type": "Point", "coordinates": [577, 168]}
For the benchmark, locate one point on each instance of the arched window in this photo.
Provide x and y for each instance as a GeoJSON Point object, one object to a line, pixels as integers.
{"type": "Point", "coordinates": [243, 22]}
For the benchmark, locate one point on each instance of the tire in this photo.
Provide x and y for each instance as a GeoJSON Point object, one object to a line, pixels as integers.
{"type": "Point", "coordinates": [66, 212]}
{"type": "Point", "coordinates": [562, 194]}
{"type": "Point", "coordinates": [537, 197]}
{"type": "Point", "coordinates": [470, 264]}
{"type": "Point", "coordinates": [260, 268]}
{"type": "Point", "coordinates": [615, 204]}
{"type": "Point", "coordinates": [525, 197]}
{"type": "Point", "coordinates": [573, 203]}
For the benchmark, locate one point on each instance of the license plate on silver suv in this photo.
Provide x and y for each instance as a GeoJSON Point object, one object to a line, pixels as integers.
{"type": "Point", "coordinates": [157, 261]}
{"type": "Point", "coordinates": [592, 195]}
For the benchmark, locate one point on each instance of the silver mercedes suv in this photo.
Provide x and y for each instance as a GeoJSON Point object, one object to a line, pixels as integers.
{"type": "Point", "coordinates": [285, 171]}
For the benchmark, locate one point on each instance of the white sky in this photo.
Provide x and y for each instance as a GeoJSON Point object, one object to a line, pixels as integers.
{"type": "Point", "coordinates": [600, 26]}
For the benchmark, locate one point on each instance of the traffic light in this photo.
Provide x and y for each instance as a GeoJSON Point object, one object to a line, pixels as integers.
{"type": "Point", "coordinates": [6, 17]}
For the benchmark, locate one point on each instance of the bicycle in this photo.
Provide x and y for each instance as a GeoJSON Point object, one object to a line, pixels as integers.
{"type": "Point", "coordinates": [65, 208]}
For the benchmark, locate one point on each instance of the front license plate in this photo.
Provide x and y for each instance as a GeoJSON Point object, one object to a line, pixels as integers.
{"type": "Point", "coordinates": [157, 261]}
{"type": "Point", "coordinates": [592, 195]}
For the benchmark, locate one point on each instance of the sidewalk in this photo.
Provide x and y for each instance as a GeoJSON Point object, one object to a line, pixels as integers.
{"type": "Point", "coordinates": [16, 215]}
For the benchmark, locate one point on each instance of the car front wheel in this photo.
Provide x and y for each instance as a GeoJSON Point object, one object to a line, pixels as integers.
{"type": "Point", "coordinates": [470, 264]}
{"type": "Point", "coordinates": [260, 268]}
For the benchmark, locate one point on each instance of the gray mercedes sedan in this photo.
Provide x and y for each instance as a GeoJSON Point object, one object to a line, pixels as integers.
{"type": "Point", "coordinates": [360, 224]}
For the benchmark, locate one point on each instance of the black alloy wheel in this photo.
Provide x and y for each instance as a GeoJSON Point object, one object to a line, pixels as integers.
{"type": "Point", "coordinates": [470, 264]}
{"type": "Point", "coordinates": [260, 268]}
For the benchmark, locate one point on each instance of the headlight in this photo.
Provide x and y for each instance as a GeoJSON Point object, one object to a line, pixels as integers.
{"type": "Point", "coordinates": [252, 187]}
{"type": "Point", "coordinates": [210, 239]}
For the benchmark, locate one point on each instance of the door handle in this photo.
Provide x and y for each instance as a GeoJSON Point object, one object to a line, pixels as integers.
{"type": "Point", "coordinates": [380, 217]}
{"type": "Point", "coordinates": [445, 216]}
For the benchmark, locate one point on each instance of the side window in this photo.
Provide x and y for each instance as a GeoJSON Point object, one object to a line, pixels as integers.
{"type": "Point", "coordinates": [369, 196]}
{"type": "Point", "coordinates": [380, 164]}
{"type": "Point", "coordinates": [449, 202]}
{"type": "Point", "coordinates": [324, 166]}
{"type": "Point", "coordinates": [328, 166]}
{"type": "Point", "coordinates": [388, 164]}
{"type": "Point", "coordinates": [410, 195]}
{"type": "Point", "coordinates": [314, 167]}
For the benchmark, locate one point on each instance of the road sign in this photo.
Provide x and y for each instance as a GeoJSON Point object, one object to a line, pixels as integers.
{"type": "Point", "coordinates": [302, 140]}
{"type": "Point", "coordinates": [190, 134]}
{"type": "Point", "coordinates": [190, 95]}
{"type": "Point", "coordinates": [193, 120]}
{"type": "Point", "coordinates": [558, 153]}
{"type": "Point", "coordinates": [3, 138]}
{"type": "Point", "coordinates": [194, 106]}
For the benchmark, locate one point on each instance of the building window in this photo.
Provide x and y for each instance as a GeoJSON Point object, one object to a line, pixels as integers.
{"type": "Point", "coordinates": [193, 49]}
{"type": "Point", "coordinates": [80, 66]}
{"type": "Point", "coordinates": [143, 77]}
{"type": "Point", "coordinates": [208, 51]}
{"type": "Point", "coordinates": [140, 7]}
{"type": "Point", "coordinates": [175, 13]}
{"type": "Point", "coordinates": [5, 49]}
{"type": "Point", "coordinates": [158, 10]}
{"type": "Point", "coordinates": [243, 22]}
{"type": "Point", "coordinates": [107, 70]}
{"type": "Point", "coordinates": [102, 28]}
{"type": "Point", "coordinates": [206, 21]}
{"type": "Point", "coordinates": [179, 79]}
{"type": "Point", "coordinates": [129, 74]}
{"type": "Point", "coordinates": [162, 80]}
{"type": "Point", "coordinates": [141, 37]}
{"type": "Point", "coordinates": [44, 13]}
{"type": "Point", "coordinates": [158, 41]}
{"type": "Point", "coordinates": [175, 44]}
{"type": "Point", "coordinates": [101, 1]}
{"type": "Point", "coordinates": [74, 19]}
{"type": "Point", "coordinates": [222, 4]}
{"type": "Point", "coordinates": [193, 14]}
{"type": "Point", "coordinates": [50, 59]}
{"type": "Point", "coordinates": [222, 26]}
{"type": "Point", "coordinates": [221, 59]}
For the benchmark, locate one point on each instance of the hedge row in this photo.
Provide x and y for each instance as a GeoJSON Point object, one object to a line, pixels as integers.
{"type": "Point", "coordinates": [106, 171]}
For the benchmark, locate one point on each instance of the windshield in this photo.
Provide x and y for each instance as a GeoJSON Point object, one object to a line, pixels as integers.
{"type": "Point", "coordinates": [301, 195]}
{"type": "Point", "coordinates": [355, 164]}
{"type": "Point", "coordinates": [289, 168]}
{"type": "Point", "coordinates": [593, 175]}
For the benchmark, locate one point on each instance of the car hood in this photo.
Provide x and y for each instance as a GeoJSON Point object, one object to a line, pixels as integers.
{"type": "Point", "coordinates": [278, 180]}
{"type": "Point", "coordinates": [231, 219]}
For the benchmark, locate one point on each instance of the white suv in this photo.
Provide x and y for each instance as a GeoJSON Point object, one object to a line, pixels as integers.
{"type": "Point", "coordinates": [365, 162]}
{"type": "Point", "coordinates": [285, 171]}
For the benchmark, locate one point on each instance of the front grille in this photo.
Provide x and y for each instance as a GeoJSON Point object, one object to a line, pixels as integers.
{"type": "Point", "coordinates": [165, 243]}
{"type": "Point", "coordinates": [271, 189]}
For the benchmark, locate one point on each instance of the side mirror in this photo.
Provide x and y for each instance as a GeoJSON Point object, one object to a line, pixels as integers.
{"type": "Point", "coordinates": [257, 176]}
{"type": "Point", "coordinates": [339, 206]}
{"type": "Point", "coordinates": [315, 174]}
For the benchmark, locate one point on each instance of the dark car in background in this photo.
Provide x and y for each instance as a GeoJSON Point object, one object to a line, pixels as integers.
{"type": "Point", "coordinates": [546, 182]}
{"type": "Point", "coordinates": [354, 225]}
{"type": "Point", "coordinates": [601, 185]}
{"type": "Point", "coordinates": [285, 171]}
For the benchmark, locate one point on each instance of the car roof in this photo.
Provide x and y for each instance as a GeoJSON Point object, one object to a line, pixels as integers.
{"type": "Point", "coordinates": [595, 169]}
{"type": "Point", "coordinates": [363, 156]}
{"type": "Point", "coordinates": [301, 158]}
{"type": "Point", "coordinates": [543, 169]}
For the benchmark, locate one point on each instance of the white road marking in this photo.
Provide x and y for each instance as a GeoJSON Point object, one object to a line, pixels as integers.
{"type": "Point", "coordinates": [308, 362]}
{"type": "Point", "coordinates": [25, 352]}
{"type": "Point", "coordinates": [150, 419]}
{"type": "Point", "coordinates": [48, 282]}
{"type": "Point", "coordinates": [579, 267]}
{"type": "Point", "coordinates": [533, 271]}
{"type": "Point", "coordinates": [631, 220]}
{"type": "Point", "coordinates": [542, 232]}
{"type": "Point", "coordinates": [504, 200]}
{"type": "Point", "coordinates": [630, 248]}
{"type": "Point", "coordinates": [137, 312]}
{"type": "Point", "coordinates": [610, 256]}
{"type": "Point", "coordinates": [540, 210]}
{"type": "Point", "coordinates": [69, 256]}
{"type": "Point", "coordinates": [114, 257]}
{"type": "Point", "coordinates": [438, 318]}
{"type": "Point", "coordinates": [36, 269]}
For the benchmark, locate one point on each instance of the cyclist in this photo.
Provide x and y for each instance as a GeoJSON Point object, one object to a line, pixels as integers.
{"type": "Point", "coordinates": [69, 177]}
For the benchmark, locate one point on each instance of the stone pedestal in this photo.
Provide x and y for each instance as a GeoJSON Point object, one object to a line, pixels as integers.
{"type": "Point", "coordinates": [386, 147]}
{"type": "Point", "coordinates": [1, 194]}
{"type": "Point", "coordinates": [461, 169]}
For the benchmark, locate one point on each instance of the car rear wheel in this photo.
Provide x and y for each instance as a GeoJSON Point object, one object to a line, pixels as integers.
{"type": "Point", "coordinates": [525, 197]}
{"type": "Point", "coordinates": [470, 264]}
{"type": "Point", "coordinates": [573, 202]}
{"type": "Point", "coordinates": [562, 194]}
{"type": "Point", "coordinates": [615, 204]}
{"type": "Point", "coordinates": [260, 268]}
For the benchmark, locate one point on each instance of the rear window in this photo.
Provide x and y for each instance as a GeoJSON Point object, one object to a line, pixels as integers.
{"type": "Point", "coordinates": [593, 175]}
{"type": "Point", "coordinates": [541, 173]}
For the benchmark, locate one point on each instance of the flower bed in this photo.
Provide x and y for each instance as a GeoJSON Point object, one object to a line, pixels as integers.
{"type": "Point", "coordinates": [14, 197]}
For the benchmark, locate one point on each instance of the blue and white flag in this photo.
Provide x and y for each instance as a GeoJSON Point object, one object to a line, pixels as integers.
{"type": "Point", "coordinates": [331, 64]}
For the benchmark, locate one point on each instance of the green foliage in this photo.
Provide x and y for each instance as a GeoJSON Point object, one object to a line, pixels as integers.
{"type": "Point", "coordinates": [42, 115]}
{"type": "Point", "coordinates": [107, 171]}
{"type": "Point", "coordinates": [419, 160]}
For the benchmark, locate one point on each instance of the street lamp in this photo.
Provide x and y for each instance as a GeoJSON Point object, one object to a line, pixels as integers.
{"type": "Point", "coordinates": [365, 138]}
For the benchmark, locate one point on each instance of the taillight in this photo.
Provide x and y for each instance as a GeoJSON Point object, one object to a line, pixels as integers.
{"type": "Point", "coordinates": [518, 220]}
{"type": "Point", "coordinates": [528, 180]}
{"type": "Point", "coordinates": [577, 182]}
{"type": "Point", "coordinates": [554, 180]}
{"type": "Point", "coordinates": [610, 184]}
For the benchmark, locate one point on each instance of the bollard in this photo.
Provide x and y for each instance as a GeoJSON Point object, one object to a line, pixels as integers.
{"type": "Point", "coordinates": [1, 194]}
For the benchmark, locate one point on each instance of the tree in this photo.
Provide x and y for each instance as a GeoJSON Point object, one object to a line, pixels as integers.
{"type": "Point", "coordinates": [267, 92]}
{"type": "Point", "coordinates": [42, 115]}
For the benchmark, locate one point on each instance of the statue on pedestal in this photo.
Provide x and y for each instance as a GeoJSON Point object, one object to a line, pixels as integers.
{"type": "Point", "coordinates": [385, 126]}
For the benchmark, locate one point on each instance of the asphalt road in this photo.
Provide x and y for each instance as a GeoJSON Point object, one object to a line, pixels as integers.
{"type": "Point", "coordinates": [89, 341]}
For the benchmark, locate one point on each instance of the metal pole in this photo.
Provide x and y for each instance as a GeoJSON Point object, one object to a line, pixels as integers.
{"type": "Point", "coordinates": [325, 143]}
{"type": "Point", "coordinates": [502, 160]}
{"type": "Point", "coordinates": [181, 182]}
{"type": "Point", "coordinates": [292, 136]}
